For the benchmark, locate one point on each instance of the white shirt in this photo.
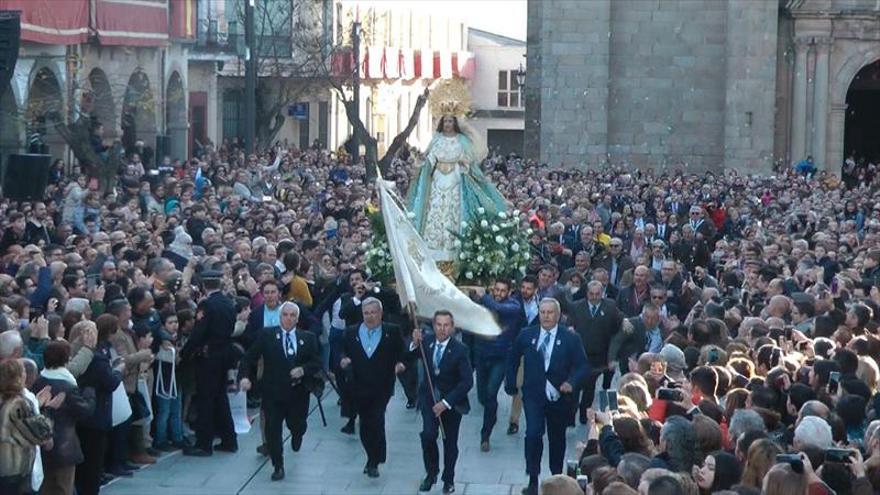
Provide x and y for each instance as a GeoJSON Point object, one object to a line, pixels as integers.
{"type": "Point", "coordinates": [442, 347]}
{"type": "Point", "coordinates": [37, 472]}
{"type": "Point", "coordinates": [552, 394]}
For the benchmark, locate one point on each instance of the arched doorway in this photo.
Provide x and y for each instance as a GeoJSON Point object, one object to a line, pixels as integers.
{"type": "Point", "coordinates": [45, 106]}
{"type": "Point", "coordinates": [10, 124]}
{"type": "Point", "coordinates": [175, 117]}
{"type": "Point", "coordinates": [138, 113]}
{"type": "Point", "coordinates": [861, 135]}
{"type": "Point", "coordinates": [103, 109]}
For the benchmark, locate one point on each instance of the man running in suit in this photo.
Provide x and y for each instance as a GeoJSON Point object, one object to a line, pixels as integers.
{"type": "Point", "coordinates": [554, 363]}
{"type": "Point", "coordinates": [290, 362]}
{"type": "Point", "coordinates": [443, 398]}
{"type": "Point", "coordinates": [371, 356]}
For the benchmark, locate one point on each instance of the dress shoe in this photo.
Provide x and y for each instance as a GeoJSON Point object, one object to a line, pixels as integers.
{"type": "Point", "coordinates": [372, 472]}
{"type": "Point", "coordinates": [296, 442]}
{"type": "Point", "coordinates": [348, 429]}
{"type": "Point", "coordinates": [484, 446]}
{"type": "Point", "coordinates": [130, 467]}
{"type": "Point", "coordinates": [263, 450]}
{"type": "Point", "coordinates": [512, 429]}
{"type": "Point", "coordinates": [278, 474]}
{"type": "Point", "coordinates": [531, 489]}
{"type": "Point", "coordinates": [154, 452]}
{"type": "Point", "coordinates": [142, 458]}
{"type": "Point", "coordinates": [226, 448]}
{"type": "Point", "coordinates": [448, 487]}
{"type": "Point", "coordinates": [106, 478]}
{"type": "Point", "coordinates": [411, 404]}
{"type": "Point", "coordinates": [196, 452]}
{"type": "Point", "coordinates": [427, 483]}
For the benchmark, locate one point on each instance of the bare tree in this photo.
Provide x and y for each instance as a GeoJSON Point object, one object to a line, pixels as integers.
{"type": "Point", "coordinates": [322, 54]}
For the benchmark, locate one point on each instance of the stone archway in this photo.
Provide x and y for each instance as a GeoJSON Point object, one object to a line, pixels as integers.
{"type": "Point", "coordinates": [138, 121]}
{"type": "Point", "coordinates": [102, 107]}
{"type": "Point", "coordinates": [862, 119]}
{"type": "Point", "coordinates": [10, 124]}
{"type": "Point", "coordinates": [854, 57]}
{"type": "Point", "coordinates": [45, 106]}
{"type": "Point", "coordinates": [175, 117]}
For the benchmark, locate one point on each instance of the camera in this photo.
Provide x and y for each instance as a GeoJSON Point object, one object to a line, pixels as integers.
{"type": "Point", "coordinates": [794, 460]}
{"type": "Point", "coordinates": [833, 382]}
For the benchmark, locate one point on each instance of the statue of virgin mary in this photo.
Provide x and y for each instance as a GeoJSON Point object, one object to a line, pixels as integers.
{"type": "Point", "coordinates": [450, 187]}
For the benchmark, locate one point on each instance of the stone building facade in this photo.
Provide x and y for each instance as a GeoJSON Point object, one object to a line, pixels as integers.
{"type": "Point", "coordinates": [707, 83]}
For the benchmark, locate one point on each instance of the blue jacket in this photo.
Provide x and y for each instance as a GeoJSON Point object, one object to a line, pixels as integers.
{"type": "Point", "coordinates": [511, 317]}
{"type": "Point", "coordinates": [454, 379]}
{"type": "Point", "coordinates": [568, 363]}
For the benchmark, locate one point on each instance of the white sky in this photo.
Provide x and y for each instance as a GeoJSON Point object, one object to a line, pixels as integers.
{"type": "Point", "coordinates": [506, 17]}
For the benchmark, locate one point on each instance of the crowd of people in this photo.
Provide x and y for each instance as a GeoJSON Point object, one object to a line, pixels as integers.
{"type": "Point", "coordinates": [734, 315]}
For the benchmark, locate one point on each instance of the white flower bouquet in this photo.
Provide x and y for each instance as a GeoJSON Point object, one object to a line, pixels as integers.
{"type": "Point", "coordinates": [378, 256]}
{"type": "Point", "coordinates": [491, 246]}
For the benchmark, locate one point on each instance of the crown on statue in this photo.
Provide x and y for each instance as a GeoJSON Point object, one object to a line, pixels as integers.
{"type": "Point", "coordinates": [450, 97]}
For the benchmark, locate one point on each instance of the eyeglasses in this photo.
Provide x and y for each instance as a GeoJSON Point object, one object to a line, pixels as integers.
{"type": "Point", "coordinates": [616, 245]}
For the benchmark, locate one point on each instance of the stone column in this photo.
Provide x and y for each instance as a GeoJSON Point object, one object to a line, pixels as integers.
{"type": "Point", "coordinates": [799, 101]}
{"type": "Point", "coordinates": [820, 103]}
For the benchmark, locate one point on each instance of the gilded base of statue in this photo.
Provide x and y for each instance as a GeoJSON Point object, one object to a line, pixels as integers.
{"type": "Point", "coordinates": [447, 268]}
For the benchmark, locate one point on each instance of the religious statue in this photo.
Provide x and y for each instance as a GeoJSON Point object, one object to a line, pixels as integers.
{"type": "Point", "coordinates": [450, 187]}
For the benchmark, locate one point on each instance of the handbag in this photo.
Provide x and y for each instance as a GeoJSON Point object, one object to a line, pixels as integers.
{"type": "Point", "coordinates": [165, 359]}
{"type": "Point", "coordinates": [121, 407]}
{"type": "Point", "coordinates": [140, 408]}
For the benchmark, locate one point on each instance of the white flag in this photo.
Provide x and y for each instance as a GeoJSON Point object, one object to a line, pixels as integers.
{"type": "Point", "coordinates": [418, 279]}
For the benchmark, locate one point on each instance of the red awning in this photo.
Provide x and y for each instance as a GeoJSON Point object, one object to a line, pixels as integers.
{"type": "Point", "coordinates": [52, 22]}
{"type": "Point", "coordinates": [132, 22]}
{"type": "Point", "coordinates": [405, 63]}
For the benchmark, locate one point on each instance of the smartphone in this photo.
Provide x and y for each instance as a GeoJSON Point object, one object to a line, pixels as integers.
{"type": "Point", "coordinates": [788, 332]}
{"type": "Point", "coordinates": [670, 394]}
{"type": "Point", "coordinates": [91, 282]}
{"type": "Point", "coordinates": [612, 400]}
{"type": "Point", "coordinates": [572, 468]}
{"type": "Point", "coordinates": [603, 400]}
{"type": "Point", "coordinates": [839, 455]}
{"type": "Point", "coordinates": [794, 460]}
{"type": "Point", "coordinates": [833, 382]}
{"type": "Point", "coordinates": [583, 481]}
{"type": "Point", "coordinates": [834, 286]}
{"type": "Point", "coordinates": [712, 355]}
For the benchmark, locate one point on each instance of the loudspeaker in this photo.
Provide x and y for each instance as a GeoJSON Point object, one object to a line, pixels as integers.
{"type": "Point", "coordinates": [163, 147]}
{"type": "Point", "coordinates": [10, 37]}
{"type": "Point", "coordinates": [26, 177]}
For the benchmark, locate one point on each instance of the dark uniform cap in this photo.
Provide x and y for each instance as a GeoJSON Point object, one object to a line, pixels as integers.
{"type": "Point", "coordinates": [209, 274]}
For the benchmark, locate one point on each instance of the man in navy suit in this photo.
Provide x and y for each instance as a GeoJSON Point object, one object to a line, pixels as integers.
{"type": "Point", "coordinates": [442, 397]}
{"type": "Point", "coordinates": [554, 364]}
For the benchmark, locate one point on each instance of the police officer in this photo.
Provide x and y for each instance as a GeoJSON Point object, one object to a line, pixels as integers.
{"type": "Point", "coordinates": [211, 344]}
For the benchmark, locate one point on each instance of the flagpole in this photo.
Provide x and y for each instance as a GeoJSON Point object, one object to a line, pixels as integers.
{"type": "Point", "coordinates": [411, 309]}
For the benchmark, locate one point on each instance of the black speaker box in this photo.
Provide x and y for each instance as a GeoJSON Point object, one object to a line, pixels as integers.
{"type": "Point", "coordinates": [26, 177]}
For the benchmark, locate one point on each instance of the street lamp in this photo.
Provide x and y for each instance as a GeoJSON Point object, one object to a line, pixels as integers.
{"type": "Point", "coordinates": [520, 77]}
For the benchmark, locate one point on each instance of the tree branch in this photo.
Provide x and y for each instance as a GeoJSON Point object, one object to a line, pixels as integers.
{"type": "Point", "coordinates": [401, 138]}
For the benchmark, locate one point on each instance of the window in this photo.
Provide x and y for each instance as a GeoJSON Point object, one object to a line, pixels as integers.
{"type": "Point", "coordinates": [508, 91]}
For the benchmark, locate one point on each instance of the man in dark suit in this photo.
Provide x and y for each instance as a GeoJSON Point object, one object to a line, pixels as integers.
{"type": "Point", "coordinates": [661, 228]}
{"type": "Point", "coordinates": [371, 356]}
{"type": "Point", "coordinates": [212, 340]}
{"type": "Point", "coordinates": [701, 224]}
{"type": "Point", "coordinates": [554, 363]}
{"type": "Point", "coordinates": [630, 299]}
{"type": "Point", "coordinates": [442, 396]}
{"type": "Point", "coordinates": [616, 262]}
{"type": "Point", "coordinates": [637, 335]}
{"type": "Point", "coordinates": [595, 319]}
{"type": "Point", "coordinates": [290, 362]}
{"type": "Point", "coordinates": [528, 300]}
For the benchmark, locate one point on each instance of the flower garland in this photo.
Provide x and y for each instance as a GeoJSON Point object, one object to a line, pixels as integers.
{"type": "Point", "coordinates": [491, 246]}
{"type": "Point", "coordinates": [378, 256]}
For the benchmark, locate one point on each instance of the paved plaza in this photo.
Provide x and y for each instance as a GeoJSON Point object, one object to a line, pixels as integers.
{"type": "Point", "coordinates": [331, 462]}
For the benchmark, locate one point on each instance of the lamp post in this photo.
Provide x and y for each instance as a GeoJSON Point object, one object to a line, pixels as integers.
{"type": "Point", "coordinates": [250, 77]}
{"type": "Point", "coordinates": [356, 87]}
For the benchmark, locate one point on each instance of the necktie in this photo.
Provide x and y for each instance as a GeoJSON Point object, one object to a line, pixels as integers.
{"type": "Point", "coordinates": [438, 353]}
{"type": "Point", "coordinates": [592, 310]}
{"type": "Point", "coordinates": [291, 352]}
{"type": "Point", "coordinates": [545, 344]}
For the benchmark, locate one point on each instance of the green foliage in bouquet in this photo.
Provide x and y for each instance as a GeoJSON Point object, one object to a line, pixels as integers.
{"type": "Point", "coordinates": [379, 265]}
{"type": "Point", "coordinates": [491, 246]}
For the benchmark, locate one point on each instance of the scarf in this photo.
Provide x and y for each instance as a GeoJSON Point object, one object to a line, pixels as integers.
{"type": "Point", "coordinates": [62, 374]}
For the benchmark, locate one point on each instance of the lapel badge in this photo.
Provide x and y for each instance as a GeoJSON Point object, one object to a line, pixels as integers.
{"type": "Point", "coordinates": [558, 342]}
{"type": "Point", "coordinates": [300, 342]}
{"type": "Point", "coordinates": [534, 341]}
{"type": "Point", "coordinates": [277, 336]}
